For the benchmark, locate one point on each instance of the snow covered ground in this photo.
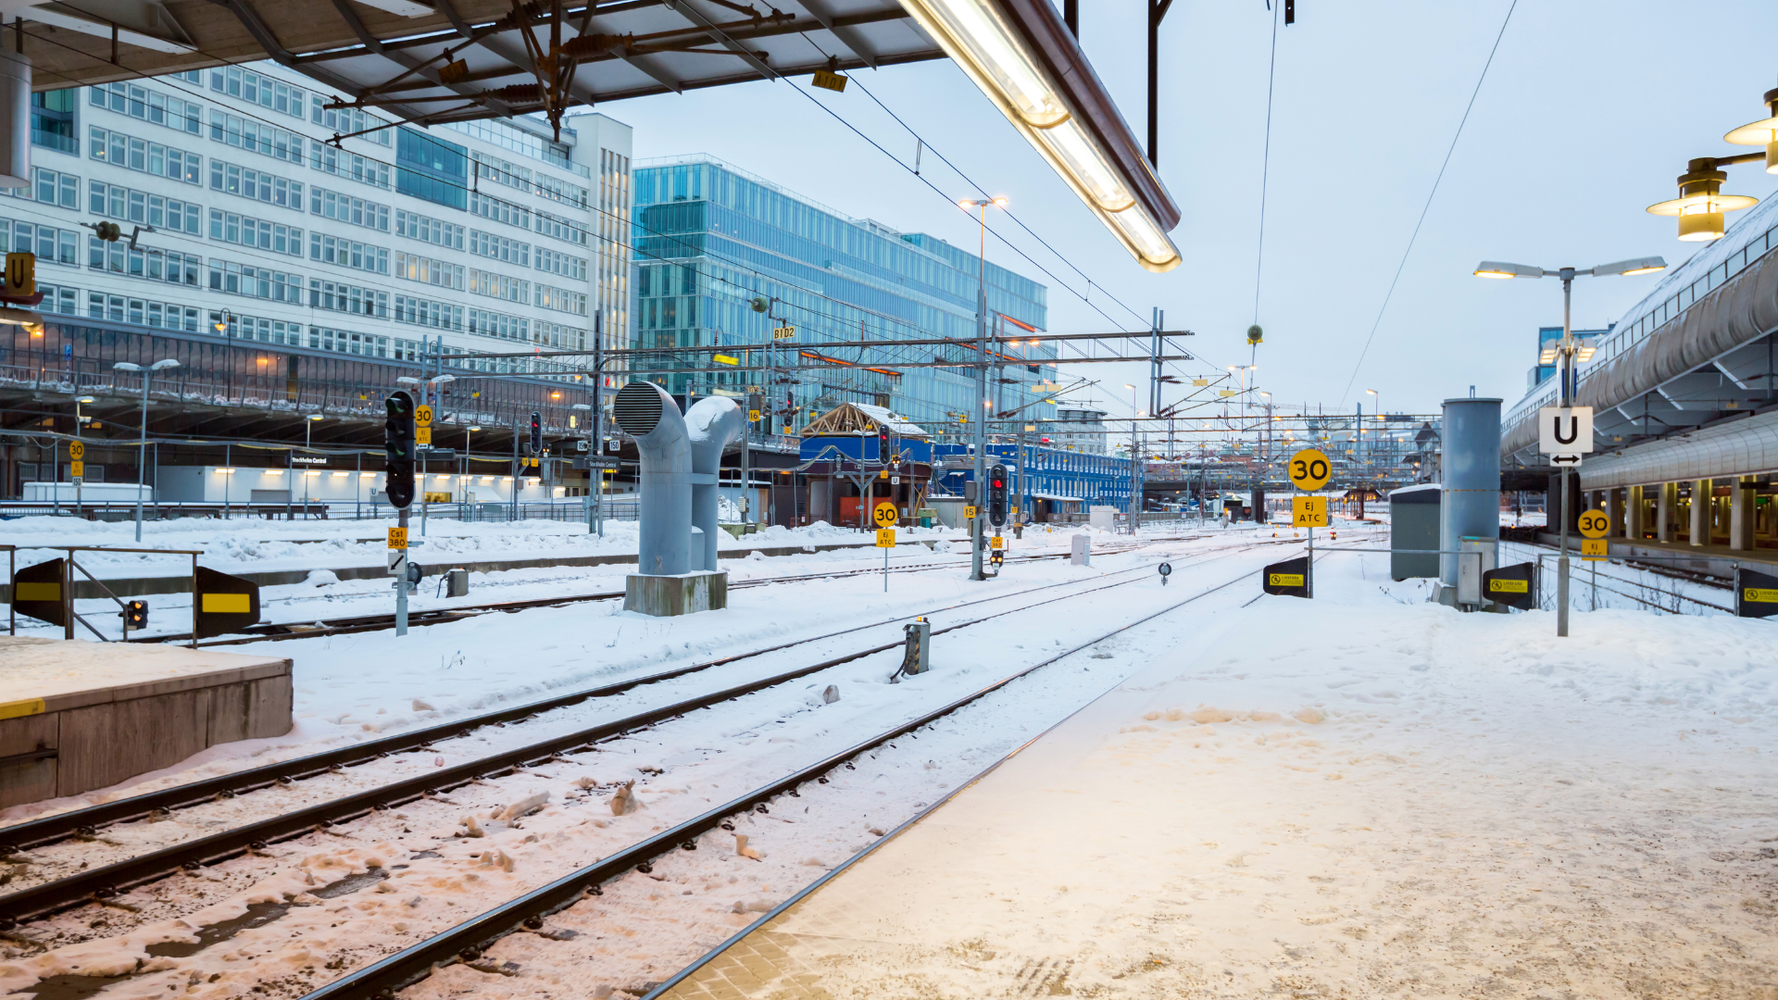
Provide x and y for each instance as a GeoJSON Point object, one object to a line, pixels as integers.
{"type": "Point", "coordinates": [1349, 797]}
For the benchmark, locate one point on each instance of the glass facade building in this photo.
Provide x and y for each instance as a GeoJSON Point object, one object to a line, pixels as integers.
{"type": "Point", "coordinates": [724, 258]}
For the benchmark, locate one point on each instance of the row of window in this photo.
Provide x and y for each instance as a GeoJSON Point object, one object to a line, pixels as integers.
{"type": "Point", "coordinates": [566, 265]}
{"type": "Point", "coordinates": [561, 299]}
{"type": "Point", "coordinates": [275, 237]}
{"type": "Point", "coordinates": [428, 230]}
{"type": "Point", "coordinates": [500, 248]}
{"type": "Point", "coordinates": [155, 265]}
{"type": "Point", "coordinates": [348, 253]}
{"type": "Point", "coordinates": [131, 153]}
{"type": "Point", "coordinates": [500, 286]}
{"type": "Point", "coordinates": [345, 163]}
{"type": "Point", "coordinates": [255, 282]}
{"type": "Point", "coordinates": [345, 298]}
{"type": "Point", "coordinates": [142, 312]}
{"type": "Point", "coordinates": [345, 208]}
{"type": "Point", "coordinates": [49, 243]}
{"type": "Point", "coordinates": [345, 121]}
{"type": "Point", "coordinates": [149, 105]}
{"type": "Point", "coordinates": [428, 312]}
{"type": "Point", "coordinates": [49, 187]}
{"type": "Point", "coordinates": [261, 90]}
{"type": "Point", "coordinates": [427, 271]}
{"type": "Point", "coordinates": [259, 185]}
{"type": "Point", "coordinates": [122, 204]}
{"type": "Point", "coordinates": [257, 137]}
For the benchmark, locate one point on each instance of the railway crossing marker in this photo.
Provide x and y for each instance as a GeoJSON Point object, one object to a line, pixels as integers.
{"type": "Point", "coordinates": [1309, 470]}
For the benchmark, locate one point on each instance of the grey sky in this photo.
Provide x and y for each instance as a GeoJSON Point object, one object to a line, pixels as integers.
{"type": "Point", "coordinates": [1589, 112]}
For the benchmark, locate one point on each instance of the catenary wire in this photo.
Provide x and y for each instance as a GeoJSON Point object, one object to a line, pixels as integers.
{"type": "Point", "coordinates": [1409, 249]}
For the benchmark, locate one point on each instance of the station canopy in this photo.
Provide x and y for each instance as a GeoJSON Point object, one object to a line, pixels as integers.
{"type": "Point", "coordinates": [454, 60]}
{"type": "Point", "coordinates": [853, 419]}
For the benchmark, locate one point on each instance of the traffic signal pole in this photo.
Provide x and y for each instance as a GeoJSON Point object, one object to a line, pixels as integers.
{"type": "Point", "coordinates": [981, 421]}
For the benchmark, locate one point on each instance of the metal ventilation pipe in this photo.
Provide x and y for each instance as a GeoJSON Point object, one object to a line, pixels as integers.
{"type": "Point", "coordinates": [715, 423]}
{"type": "Point", "coordinates": [1471, 468]}
{"type": "Point", "coordinates": [15, 120]}
{"type": "Point", "coordinates": [645, 412]}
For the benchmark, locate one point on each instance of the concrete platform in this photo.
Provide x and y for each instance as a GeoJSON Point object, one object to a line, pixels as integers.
{"type": "Point", "coordinates": [679, 594]}
{"type": "Point", "coordinates": [1712, 560]}
{"type": "Point", "coordinates": [77, 715]}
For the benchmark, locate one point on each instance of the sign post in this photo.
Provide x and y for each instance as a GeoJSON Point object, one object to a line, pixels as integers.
{"type": "Point", "coordinates": [77, 468]}
{"type": "Point", "coordinates": [1309, 471]}
{"type": "Point", "coordinates": [1564, 433]}
{"type": "Point", "coordinates": [885, 515]}
{"type": "Point", "coordinates": [1594, 526]}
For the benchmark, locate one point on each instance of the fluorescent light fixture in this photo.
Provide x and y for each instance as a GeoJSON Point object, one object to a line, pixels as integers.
{"type": "Point", "coordinates": [1639, 265]}
{"type": "Point", "coordinates": [977, 36]}
{"type": "Point", "coordinates": [1548, 357]}
{"type": "Point", "coordinates": [1584, 353]}
{"type": "Point", "coordinates": [367, 475]}
{"type": "Point", "coordinates": [1501, 269]}
{"type": "Point", "coordinates": [341, 475]}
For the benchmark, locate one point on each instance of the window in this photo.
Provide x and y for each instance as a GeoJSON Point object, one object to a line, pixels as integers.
{"type": "Point", "coordinates": [431, 169]}
{"type": "Point", "coordinates": [266, 331]}
{"type": "Point", "coordinates": [50, 244]}
{"type": "Point", "coordinates": [428, 230]}
{"type": "Point", "coordinates": [256, 89]}
{"type": "Point", "coordinates": [259, 185]}
{"type": "Point", "coordinates": [560, 228]}
{"type": "Point", "coordinates": [149, 105]}
{"type": "Point", "coordinates": [499, 211]}
{"type": "Point", "coordinates": [556, 189]}
{"type": "Point", "coordinates": [347, 341]}
{"type": "Point", "coordinates": [155, 265]}
{"type": "Point", "coordinates": [255, 282]}
{"type": "Point", "coordinates": [428, 312]}
{"type": "Point", "coordinates": [347, 120]}
{"type": "Point", "coordinates": [428, 271]}
{"type": "Point", "coordinates": [122, 204]}
{"type": "Point", "coordinates": [52, 121]}
{"type": "Point", "coordinates": [131, 153]}
{"type": "Point", "coordinates": [256, 137]}
{"type": "Point", "coordinates": [348, 298]}
{"type": "Point", "coordinates": [566, 265]}
{"type": "Point", "coordinates": [561, 299]}
{"type": "Point", "coordinates": [494, 324]}
{"type": "Point", "coordinates": [249, 232]}
{"type": "Point", "coordinates": [348, 253]}
{"type": "Point", "coordinates": [557, 335]}
{"type": "Point", "coordinates": [499, 286]}
{"type": "Point", "coordinates": [493, 168]}
{"type": "Point", "coordinates": [49, 187]}
{"type": "Point", "coordinates": [59, 299]}
{"type": "Point", "coordinates": [342, 163]}
{"type": "Point", "coordinates": [142, 312]}
{"type": "Point", "coordinates": [345, 208]}
{"type": "Point", "coordinates": [500, 248]}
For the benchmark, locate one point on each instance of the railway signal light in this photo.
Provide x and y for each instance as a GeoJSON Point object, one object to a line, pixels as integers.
{"type": "Point", "coordinates": [997, 495]}
{"type": "Point", "coordinates": [536, 433]}
{"type": "Point", "coordinates": [135, 615]}
{"type": "Point", "coordinates": [399, 448]}
{"type": "Point", "coordinates": [883, 452]}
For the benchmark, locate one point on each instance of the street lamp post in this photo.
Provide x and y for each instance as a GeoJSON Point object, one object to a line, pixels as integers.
{"type": "Point", "coordinates": [1135, 463]}
{"type": "Point", "coordinates": [142, 452]}
{"type": "Point", "coordinates": [980, 205]}
{"type": "Point", "coordinates": [1568, 352]}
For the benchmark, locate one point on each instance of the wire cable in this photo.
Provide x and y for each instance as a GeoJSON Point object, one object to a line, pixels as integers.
{"type": "Point", "coordinates": [1429, 196]}
{"type": "Point", "coordinates": [1265, 169]}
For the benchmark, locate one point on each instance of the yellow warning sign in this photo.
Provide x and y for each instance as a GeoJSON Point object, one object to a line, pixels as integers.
{"type": "Point", "coordinates": [1308, 512]}
{"type": "Point", "coordinates": [422, 416]}
{"type": "Point", "coordinates": [969, 513]}
{"type": "Point", "coordinates": [423, 435]}
{"type": "Point", "coordinates": [398, 538]}
{"type": "Point", "coordinates": [1593, 549]}
{"type": "Point", "coordinates": [77, 450]}
{"type": "Point", "coordinates": [228, 604]}
{"type": "Point", "coordinates": [1309, 469]}
{"type": "Point", "coordinates": [1509, 586]}
{"type": "Point", "coordinates": [77, 469]}
{"type": "Point", "coordinates": [38, 591]}
{"type": "Point", "coordinates": [1757, 595]}
{"type": "Point", "coordinates": [885, 514]}
{"type": "Point", "coordinates": [1594, 523]}
{"type": "Point", "coordinates": [1285, 579]}
{"type": "Point", "coordinates": [885, 538]}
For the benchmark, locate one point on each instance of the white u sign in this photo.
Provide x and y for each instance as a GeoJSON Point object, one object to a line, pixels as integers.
{"type": "Point", "coordinates": [1565, 430]}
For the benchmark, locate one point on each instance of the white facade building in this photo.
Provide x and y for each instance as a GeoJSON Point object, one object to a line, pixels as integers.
{"type": "Point", "coordinates": [478, 237]}
{"type": "Point", "coordinates": [1078, 429]}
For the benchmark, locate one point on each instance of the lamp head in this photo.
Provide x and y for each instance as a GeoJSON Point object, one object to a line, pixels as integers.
{"type": "Point", "coordinates": [1638, 265]}
{"type": "Point", "coordinates": [1761, 133]}
{"type": "Point", "coordinates": [85, 399]}
{"type": "Point", "coordinates": [475, 428]}
{"type": "Point", "coordinates": [164, 363]}
{"type": "Point", "coordinates": [1701, 205]}
{"type": "Point", "coordinates": [125, 366]}
{"type": "Point", "coordinates": [1502, 269]}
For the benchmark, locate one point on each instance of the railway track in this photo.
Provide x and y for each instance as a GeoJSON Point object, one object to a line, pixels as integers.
{"type": "Point", "coordinates": [106, 882]}
{"type": "Point", "coordinates": [311, 629]}
{"type": "Point", "coordinates": [468, 942]}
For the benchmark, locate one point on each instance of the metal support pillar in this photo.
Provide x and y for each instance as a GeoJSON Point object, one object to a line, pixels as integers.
{"type": "Point", "coordinates": [1664, 504]}
{"type": "Point", "coordinates": [1698, 531]}
{"type": "Point", "coordinates": [1157, 10]}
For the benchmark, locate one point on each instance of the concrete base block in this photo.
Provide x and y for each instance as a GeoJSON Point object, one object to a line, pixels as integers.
{"type": "Point", "coordinates": [680, 594]}
{"type": "Point", "coordinates": [78, 715]}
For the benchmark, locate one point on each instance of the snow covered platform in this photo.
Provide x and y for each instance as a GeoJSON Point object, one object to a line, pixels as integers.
{"type": "Point", "coordinates": [1351, 796]}
{"type": "Point", "coordinates": [78, 715]}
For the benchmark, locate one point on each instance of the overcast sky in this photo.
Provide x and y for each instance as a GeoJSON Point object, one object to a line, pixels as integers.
{"type": "Point", "coordinates": [1589, 112]}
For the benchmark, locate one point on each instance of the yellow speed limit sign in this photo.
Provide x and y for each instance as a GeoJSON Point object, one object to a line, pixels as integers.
{"type": "Point", "coordinates": [422, 416]}
{"type": "Point", "coordinates": [1309, 469]}
{"type": "Point", "coordinates": [76, 450]}
{"type": "Point", "coordinates": [1308, 512]}
{"type": "Point", "coordinates": [1594, 524]}
{"type": "Point", "coordinates": [885, 514]}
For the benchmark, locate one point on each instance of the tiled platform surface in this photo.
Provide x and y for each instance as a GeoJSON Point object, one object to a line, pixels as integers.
{"type": "Point", "coordinates": [77, 715]}
{"type": "Point", "coordinates": [997, 892]}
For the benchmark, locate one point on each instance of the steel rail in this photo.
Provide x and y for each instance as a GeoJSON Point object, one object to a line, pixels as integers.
{"type": "Point", "coordinates": [105, 882]}
{"type": "Point", "coordinates": [89, 820]}
{"type": "Point", "coordinates": [469, 940]}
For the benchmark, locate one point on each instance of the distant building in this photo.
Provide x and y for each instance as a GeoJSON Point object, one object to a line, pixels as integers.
{"type": "Point", "coordinates": [726, 259]}
{"type": "Point", "coordinates": [1076, 429]}
{"type": "Point", "coordinates": [1547, 338]}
